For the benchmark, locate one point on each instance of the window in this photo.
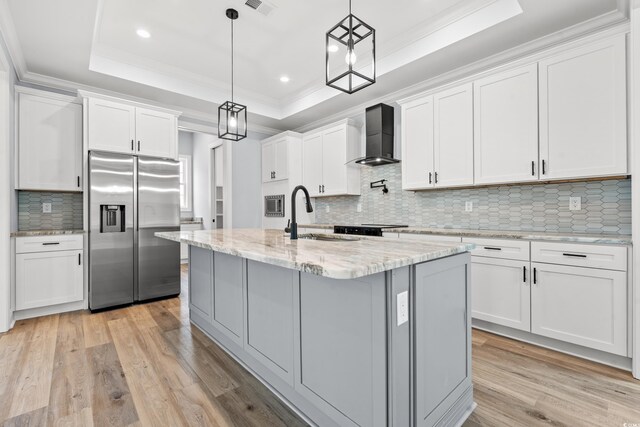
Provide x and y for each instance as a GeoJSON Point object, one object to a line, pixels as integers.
{"type": "Point", "coordinates": [185, 182]}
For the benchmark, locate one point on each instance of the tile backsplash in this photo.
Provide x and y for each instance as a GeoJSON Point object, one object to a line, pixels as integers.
{"type": "Point", "coordinates": [606, 206]}
{"type": "Point", "coordinates": [66, 211]}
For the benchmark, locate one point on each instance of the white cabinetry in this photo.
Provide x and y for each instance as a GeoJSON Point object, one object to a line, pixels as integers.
{"type": "Point", "coordinates": [437, 140]}
{"type": "Point", "coordinates": [327, 161]}
{"type": "Point", "coordinates": [583, 112]}
{"type": "Point", "coordinates": [506, 126]}
{"type": "Point", "coordinates": [49, 141]}
{"type": "Point", "coordinates": [130, 128]}
{"type": "Point", "coordinates": [275, 160]}
{"type": "Point", "coordinates": [581, 305]}
{"type": "Point", "coordinates": [49, 271]}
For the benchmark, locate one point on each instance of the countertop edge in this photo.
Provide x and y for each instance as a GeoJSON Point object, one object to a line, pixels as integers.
{"type": "Point", "coordinates": [36, 233]}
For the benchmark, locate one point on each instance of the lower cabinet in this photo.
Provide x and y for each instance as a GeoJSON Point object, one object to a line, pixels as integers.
{"type": "Point", "coordinates": [48, 278]}
{"type": "Point", "coordinates": [49, 270]}
{"type": "Point", "coordinates": [500, 292]}
{"type": "Point", "coordinates": [583, 306]}
{"type": "Point", "coordinates": [200, 283]}
{"type": "Point", "coordinates": [270, 317]}
{"type": "Point", "coordinates": [343, 347]}
{"type": "Point", "coordinates": [442, 353]}
{"type": "Point", "coordinates": [228, 279]}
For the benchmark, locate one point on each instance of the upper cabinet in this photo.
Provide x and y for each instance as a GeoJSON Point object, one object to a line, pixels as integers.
{"type": "Point", "coordinates": [562, 118]}
{"type": "Point", "coordinates": [583, 112]}
{"type": "Point", "coordinates": [437, 140]}
{"type": "Point", "coordinates": [49, 147]}
{"type": "Point", "coordinates": [275, 160]}
{"type": "Point", "coordinates": [130, 128]}
{"type": "Point", "coordinates": [327, 160]}
{"type": "Point", "coordinates": [506, 127]}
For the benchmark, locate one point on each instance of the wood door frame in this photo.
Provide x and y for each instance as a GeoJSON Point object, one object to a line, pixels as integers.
{"type": "Point", "coordinates": [6, 314]}
{"type": "Point", "coordinates": [634, 117]}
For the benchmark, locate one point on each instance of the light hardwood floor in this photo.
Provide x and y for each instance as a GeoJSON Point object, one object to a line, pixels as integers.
{"type": "Point", "coordinates": [146, 366]}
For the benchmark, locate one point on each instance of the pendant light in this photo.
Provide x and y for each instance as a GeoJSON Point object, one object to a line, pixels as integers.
{"type": "Point", "coordinates": [232, 117]}
{"type": "Point", "coordinates": [351, 55]}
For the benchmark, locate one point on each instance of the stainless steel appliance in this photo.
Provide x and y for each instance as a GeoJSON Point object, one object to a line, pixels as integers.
{"type": "Point", "coordinates": [274, 206]}
{"type": "Point", "coordinates": [365, 229]}
{"type": "Point", "coordinates": [130, 199]}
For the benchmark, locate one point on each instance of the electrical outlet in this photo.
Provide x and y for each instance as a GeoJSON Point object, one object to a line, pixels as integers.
{"type": "Point", "coordinates": [327, 209]}
{"type": "Point", "coordinates": [575, 203]}
{"type": "Point", "coordinates": [403, 307]}
{"type": "Point", "coordinates": [46, 208]}
{"type": "Point", "coordinates": [468, 206]}
{"type": "Point", "coordinates": [359, 207]}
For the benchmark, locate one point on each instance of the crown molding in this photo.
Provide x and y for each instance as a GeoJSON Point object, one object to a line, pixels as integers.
{"type": "Point", "coordinates": [10, 36]}
{"type": "Point", "coordinates": [606, 25]}
{"type": "Point", "coordinates": [48, 94]}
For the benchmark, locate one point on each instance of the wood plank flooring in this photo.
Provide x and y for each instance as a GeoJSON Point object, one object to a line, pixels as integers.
{"type": "Point", "coordinates": [147, 366]}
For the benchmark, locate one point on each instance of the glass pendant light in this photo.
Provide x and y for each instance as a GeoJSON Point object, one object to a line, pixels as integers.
{"type": "Point", "coordinates": [232, 117]}
{"type": "Point", "coordinates": [351, 55]}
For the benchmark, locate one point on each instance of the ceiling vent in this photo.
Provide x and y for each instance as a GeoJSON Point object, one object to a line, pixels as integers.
{"type": "Point", "coordinates": [261, 6]}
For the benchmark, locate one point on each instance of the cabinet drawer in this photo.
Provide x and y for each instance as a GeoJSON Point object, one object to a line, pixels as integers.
{"type": "Point", "coordinates": [68, 242]}
{"type": "Point", "coordinates": [593, 256]}
{"type": "Point", "coordinates": [498, 248]}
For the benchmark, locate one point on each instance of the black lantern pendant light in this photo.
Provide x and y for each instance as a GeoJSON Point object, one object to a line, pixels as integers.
{"type": "Point", "coordinates": [232, 117]}
{"type": "Point", "coordinates": [351, 54]}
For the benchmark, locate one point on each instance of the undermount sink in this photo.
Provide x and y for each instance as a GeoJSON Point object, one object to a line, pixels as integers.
{"type": "Point", "coordinates": [328, 238]}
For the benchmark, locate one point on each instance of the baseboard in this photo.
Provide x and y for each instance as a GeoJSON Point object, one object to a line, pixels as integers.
{"type": "Point", "coordinates": [49, 310]}
{"type": "Point", "coordinates": [598, 356]}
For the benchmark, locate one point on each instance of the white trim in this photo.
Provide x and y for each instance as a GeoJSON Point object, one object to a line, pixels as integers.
{"type": "Point", "coordinates": [87, 94]}
{"type": "Point", "coordinates": [48, 94]}
{"type": "Point", "coordinates": [6, 316]}
{"type": "Point", "coordinates": [10, 36]}
{"type": "Point", "coordinates": [634, 117]}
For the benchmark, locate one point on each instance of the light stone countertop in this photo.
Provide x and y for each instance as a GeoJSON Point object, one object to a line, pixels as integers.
{"type": "Point", "coordinates": [338, 260]}
{"type": "Point", "coordinates": [605, 239]}
{"type": "Point", "coordinates": [32, 233]}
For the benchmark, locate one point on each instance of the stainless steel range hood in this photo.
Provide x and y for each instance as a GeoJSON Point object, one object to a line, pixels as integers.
{"type": "Point", "coordinates": [379, 133]}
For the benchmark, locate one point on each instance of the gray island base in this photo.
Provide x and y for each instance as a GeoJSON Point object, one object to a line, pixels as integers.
{"type": "Point", "coordinates": [340, 351]}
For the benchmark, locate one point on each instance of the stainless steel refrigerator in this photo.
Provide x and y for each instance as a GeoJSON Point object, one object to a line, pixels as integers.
{"type": "Point", "coordinates": [130, 199]}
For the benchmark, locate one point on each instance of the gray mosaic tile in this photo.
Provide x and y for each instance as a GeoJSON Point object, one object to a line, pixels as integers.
{"type": "Point", "coordinates": [66, 211]}
{"type": "Point", "coordinates": [606, 206]}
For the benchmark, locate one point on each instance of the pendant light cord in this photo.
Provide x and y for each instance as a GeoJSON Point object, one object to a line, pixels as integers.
{"type": "Point", "coordinates": [232, 60]}
{"type": "Point", "coordinates": [349, 7]}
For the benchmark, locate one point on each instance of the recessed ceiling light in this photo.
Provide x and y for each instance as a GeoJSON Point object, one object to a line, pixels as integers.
{"type": "Point", "coordinates": [143, 33]}
{"type": "Point", "coordinates": [332, 48]}
{"type": "Point", "coordinates": [284, 79]}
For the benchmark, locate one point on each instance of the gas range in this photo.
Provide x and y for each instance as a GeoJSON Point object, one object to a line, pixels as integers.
{"type": "Point", "coordinates": [365, 229]}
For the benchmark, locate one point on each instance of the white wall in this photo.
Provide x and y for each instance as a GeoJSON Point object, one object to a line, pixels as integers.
{"type": "Point", "coordinates": [8, 204]}
{"type": "Point", "coordinates": [202, 143]}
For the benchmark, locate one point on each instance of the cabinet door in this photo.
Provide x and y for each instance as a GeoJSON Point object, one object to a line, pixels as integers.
{"type": "Point", "coordinates": [156, 134]}
{"type": "Point", "coordinates": [48, 278]}
{"type": "Point", "coordinates": [270, 317]}
{"type": "Point", "coordinates": [228, 272]}
{"type": "Point", "coordinates": [111, 126]}
{"type": "Point", "coordinates": [506, 127]}
{"type": "Point", "coordinates": [334, 159]}
{"type": "Point", "coordinates": [583, 112]}
{"type": "Point", "coordinates": [453, 137]}
{"type": "Point", "coordinates": [583, 306]}
{"type": "Point", "coordinates": [312, 163]}
{"type": "Point", "coordinates": [500, 292]}
{"type": "Point", "coordinates": [442, 337]}
{"type": "Point", "coordinates": [49, 144]}
{"type": "Point", "coordinates": [417, 145]}
{"type": "Point", "coordinates": [268, 161]}
{"type": "Point", "coordinates": [281, 155]}
{"type": "Point", "coordinates": [200, 282]}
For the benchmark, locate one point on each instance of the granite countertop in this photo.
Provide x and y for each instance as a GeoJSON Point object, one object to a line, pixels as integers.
{"type": "Point", "coordinates": [185, 221]}
{"type": "Point", "coordinates": [338, 260]}
{"type": "Point", "coordinates": [32, 233]}
{"type": "Point", "coordinates": [609, 239]}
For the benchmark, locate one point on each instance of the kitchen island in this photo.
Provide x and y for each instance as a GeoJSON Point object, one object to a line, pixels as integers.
{"type": "Point", "coordinates": [347, 331]}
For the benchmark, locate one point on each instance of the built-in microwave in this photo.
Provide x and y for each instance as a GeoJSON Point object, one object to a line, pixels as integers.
{"type": "Point", "coordinates": [274, 206]}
